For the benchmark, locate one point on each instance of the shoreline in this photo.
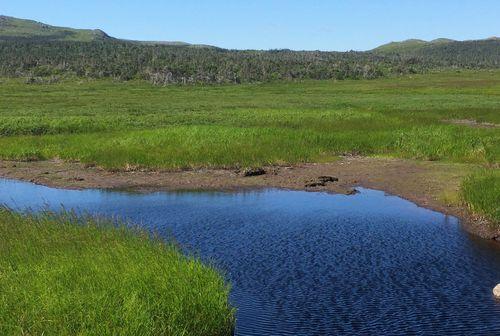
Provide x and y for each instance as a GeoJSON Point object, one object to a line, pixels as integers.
{"type": "Point", "coordinates": [427, 184]}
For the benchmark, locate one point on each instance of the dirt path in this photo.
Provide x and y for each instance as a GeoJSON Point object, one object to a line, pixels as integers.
{"type": "Point", "coordinates": [429, 184]}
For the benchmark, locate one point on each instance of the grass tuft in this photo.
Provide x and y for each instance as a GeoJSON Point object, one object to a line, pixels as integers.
{"type": "Point", "coordinates": [481, 193]}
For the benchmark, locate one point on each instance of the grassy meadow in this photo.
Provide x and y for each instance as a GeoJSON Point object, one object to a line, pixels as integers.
{"type": "Point", "coordinates": [120, 124]}
{"type": "Point", "coordinates": [60, 275]}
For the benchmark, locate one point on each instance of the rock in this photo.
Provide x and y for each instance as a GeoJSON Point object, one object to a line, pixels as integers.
{"type": "Point", "coordinates": [253, 172]}
{"type": "Point", "coordinates": [326, 179]}
{"type": "Point", "coordinates": [496, 292]}
{"type": "Point", "coordinates": [321, 181]}
{"type": "Point", "coordinates": [315, 184]}
{"type": "Point", "coordinates": [352, 192]}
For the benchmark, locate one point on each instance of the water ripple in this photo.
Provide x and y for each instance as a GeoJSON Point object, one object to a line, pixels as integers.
{"type": "Point", "coordinates": [317, 264]}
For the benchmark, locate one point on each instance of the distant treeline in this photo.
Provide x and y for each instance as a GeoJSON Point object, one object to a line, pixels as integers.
{"type": "Point", "coordinates": [163, 64]}
{"type": "Point", "coordinates": [479, 54]}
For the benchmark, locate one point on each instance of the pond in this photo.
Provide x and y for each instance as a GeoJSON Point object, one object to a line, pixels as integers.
{"type": "Point", "coordinates": [303, 263]}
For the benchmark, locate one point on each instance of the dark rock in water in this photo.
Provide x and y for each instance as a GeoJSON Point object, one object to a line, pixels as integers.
{"type": "Point", "coordinates": [253, 172]}
{"type": "Point", "coordinates": [326, 179]}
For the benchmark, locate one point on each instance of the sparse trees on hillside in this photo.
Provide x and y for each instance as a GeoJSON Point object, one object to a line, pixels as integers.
{"type": "Point", "coordinates": [163, 65]}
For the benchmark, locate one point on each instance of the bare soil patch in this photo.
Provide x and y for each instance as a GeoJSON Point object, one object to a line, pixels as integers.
{"type": "Point", "coordinates": [428, 184]}
{"type": "Point", "coordinates": [472, 123]}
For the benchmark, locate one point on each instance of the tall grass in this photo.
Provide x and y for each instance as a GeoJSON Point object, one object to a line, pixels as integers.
{"type": "Point", "coordinates": [60, 275]}
{"type": "Point", "coordinates": [481, 193]}
{"type": "Point", "coordinates": [115, 125]}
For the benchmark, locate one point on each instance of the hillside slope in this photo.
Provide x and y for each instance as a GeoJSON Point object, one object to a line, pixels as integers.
{"type": "Point", "coordinates": [411, 45]}
{"type": "Point", "coordinates": [12, 29]}
{"type": "Point", "coordinates": [414, 46]}
{"type": "Point", "coordinates": [15, 29]}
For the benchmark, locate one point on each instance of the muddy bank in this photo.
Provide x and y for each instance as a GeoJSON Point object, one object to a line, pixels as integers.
{"type": "Point", "coordinates": [429, 184]}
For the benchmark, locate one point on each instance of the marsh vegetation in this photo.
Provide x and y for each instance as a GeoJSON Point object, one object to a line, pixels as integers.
{"type": "Point", "coordinates": [68, 275]}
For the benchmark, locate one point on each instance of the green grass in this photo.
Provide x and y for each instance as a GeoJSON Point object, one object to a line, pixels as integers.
{"type": "Point", "coordinates": [60, 275]}
{"type": "Point", "coordinates": [409, 46]}
{"type": "Point", "coordinates": [481, 193]}
{"type": "Point", "coordinates": [11, 27]}
{"type": "Point", "coordinates": [115, 125]}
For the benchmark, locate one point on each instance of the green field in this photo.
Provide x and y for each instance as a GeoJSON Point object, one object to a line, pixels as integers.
{"type": "Point", "coordinates": [60, 275]}
{"type": "Point", "coordinates": [115, 124]}
{"type": "Point", "coordinates": [119, 125]}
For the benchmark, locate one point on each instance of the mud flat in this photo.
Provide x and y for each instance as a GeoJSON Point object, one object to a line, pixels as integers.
{"type": "Point", "coordinates": [429, 184]}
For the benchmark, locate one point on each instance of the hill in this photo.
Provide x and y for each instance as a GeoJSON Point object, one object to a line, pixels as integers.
{"type": "Point", "coordinates": [14, 29]}
{"type": "Point", "coordinates": [413, 46]}
{"type": "Point", "coordinates": [409, 46]}
{"type": "Point", "coordinates": [19, 29]}
{"type": "Point", "coordinates": [445, 53]}
{"type": "Point", "coordinates": [404, 46]}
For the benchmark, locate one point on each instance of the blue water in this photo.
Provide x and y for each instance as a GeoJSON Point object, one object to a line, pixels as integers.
{"type": "Point", "coordinates": [305, 263]}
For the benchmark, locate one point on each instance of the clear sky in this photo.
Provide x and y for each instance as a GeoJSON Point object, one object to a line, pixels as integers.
{"type": "Point", "coordinates": [270, 24]}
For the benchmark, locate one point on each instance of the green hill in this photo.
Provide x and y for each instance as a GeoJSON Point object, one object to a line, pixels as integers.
{"type": "Point", "coordinates": [19, 29]}
{"type": "Point", "coordinates": [409, 46]}
{"type": "Point", "coordinates": [442, 46]}
{"type": "Point", "coordinates": [14, 29]}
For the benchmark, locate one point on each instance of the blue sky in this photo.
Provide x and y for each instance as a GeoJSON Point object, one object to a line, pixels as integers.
{"type": "Point", "coordinates": [260, 24]}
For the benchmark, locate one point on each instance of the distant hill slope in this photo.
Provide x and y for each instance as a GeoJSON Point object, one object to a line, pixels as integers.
{"type": "Point", "coordinates": [409, 45]}
{"type": "Point", "coordinates": [404, 46]}
{"type": "Point", "coordinates": [413, 46]}
{"type": "Point", "coordinates": [19, 29]}
{"type": "Point", "coordinates": [14, 29]}
{"type": "Point", "coordinates": [445, 53]}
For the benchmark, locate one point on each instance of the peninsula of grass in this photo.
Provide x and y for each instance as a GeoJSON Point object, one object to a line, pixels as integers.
{"type": "Point", "coordinates": [63, 275]}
